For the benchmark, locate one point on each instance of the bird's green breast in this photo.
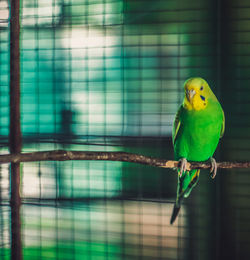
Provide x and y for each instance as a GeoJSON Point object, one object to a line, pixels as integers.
{"type": "Point", "coordinates": [199, 133]}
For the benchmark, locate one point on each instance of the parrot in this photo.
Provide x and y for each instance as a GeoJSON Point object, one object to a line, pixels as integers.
{"type": "Point", "coordinates": [198, 126]}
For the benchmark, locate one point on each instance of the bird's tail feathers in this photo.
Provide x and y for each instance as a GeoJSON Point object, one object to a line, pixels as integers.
{"type": "Point", "coordinates": [192, 184]}
{"type": "Point", "coordinates": [183, 193]}
{"type": "Point", "coordinates": [177, 207]}
{"type": "Point", "coordinates": [175, 213]}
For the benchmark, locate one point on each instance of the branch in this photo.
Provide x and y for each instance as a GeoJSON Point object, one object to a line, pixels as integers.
{"type": "Point", "coordinates": [61, 155]}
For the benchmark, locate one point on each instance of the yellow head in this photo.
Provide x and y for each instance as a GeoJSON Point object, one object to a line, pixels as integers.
{"type": "Point", "coordinates": [197, 94]}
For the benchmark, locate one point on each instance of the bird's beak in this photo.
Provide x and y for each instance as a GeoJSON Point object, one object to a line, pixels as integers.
{"type": "Point", "coordinates": [190, 93]}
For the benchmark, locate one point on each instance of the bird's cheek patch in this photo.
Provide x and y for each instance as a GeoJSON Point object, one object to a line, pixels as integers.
{"type": "Point", "coordinates": [202, 97]}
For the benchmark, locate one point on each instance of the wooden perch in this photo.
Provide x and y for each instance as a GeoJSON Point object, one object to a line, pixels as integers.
{"type": "Point", "coordinates": [61, 155]}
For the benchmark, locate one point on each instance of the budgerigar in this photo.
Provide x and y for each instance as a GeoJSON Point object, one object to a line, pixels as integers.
{"type": "Point", "coordinates": [198, 126]}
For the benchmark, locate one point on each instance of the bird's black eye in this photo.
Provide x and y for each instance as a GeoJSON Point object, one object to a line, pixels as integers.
{"type": "Point", "coordinates": [201, 88]}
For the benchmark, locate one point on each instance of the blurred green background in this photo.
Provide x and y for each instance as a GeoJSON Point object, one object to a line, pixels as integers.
{"type": "Point", "coordinates": [107, 75]}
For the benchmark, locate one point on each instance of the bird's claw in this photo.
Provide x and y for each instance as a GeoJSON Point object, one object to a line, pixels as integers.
{"type": "Point", "coordinates": [213, 169]}
{"type": "Point", "coordinates": [183, 165]}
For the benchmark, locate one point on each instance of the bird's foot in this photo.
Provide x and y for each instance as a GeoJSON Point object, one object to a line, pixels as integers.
{"type": "Point", "coordinates": [213, 169]}
{"type": "Point", "coordinates": [183, 165]}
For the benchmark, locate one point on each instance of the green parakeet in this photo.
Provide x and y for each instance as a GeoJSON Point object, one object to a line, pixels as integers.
{"type": "Point", "coordinates": [198, 126]}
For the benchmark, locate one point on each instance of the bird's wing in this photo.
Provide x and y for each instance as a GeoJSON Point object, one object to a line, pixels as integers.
{"type": "Point", "coordinates": [223, 126]}
{"type": "Point", "coordinates": [177, 124]}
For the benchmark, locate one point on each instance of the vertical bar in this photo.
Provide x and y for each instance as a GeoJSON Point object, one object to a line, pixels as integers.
{"type": "Point", "coordinates": [15, 138]}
